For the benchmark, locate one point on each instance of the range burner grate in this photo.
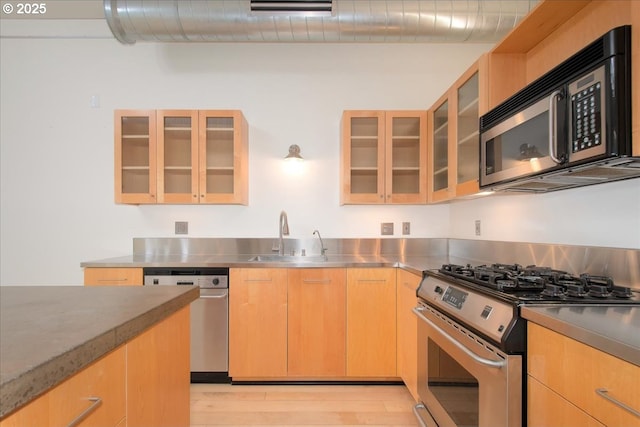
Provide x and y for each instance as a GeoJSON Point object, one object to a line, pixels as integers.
{"type": "Point", "coordinates": [538, 282]}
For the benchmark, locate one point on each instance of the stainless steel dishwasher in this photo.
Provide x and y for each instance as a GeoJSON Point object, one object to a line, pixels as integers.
{"type": "Point", "coordinates": [209, 317]}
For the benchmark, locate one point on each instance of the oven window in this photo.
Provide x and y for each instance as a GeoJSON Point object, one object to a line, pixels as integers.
{"type": "Point", "coordinates": [453, 386]}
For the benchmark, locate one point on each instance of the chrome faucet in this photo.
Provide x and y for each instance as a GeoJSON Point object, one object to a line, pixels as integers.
{"type": "Point", "coordinates": [323, 250]}
{"type": "Point", "coordinates": [283, 228]}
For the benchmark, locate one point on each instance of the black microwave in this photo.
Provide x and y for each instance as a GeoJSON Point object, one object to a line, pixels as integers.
{"type": "Point", "coordinates": [569, 128]}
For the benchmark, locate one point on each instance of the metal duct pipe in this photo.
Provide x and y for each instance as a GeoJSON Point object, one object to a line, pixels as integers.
{"type": "Point", "coordinates": [388, 21]}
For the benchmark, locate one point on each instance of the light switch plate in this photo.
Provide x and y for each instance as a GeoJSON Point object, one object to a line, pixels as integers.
{"type": "Point", "coordinates": [182, 227]}
{"type": "Point", "coordinates": [386, 228]}
{"type": "Point", "coordinates": [406, 228]}
{"type": "Point", "coordinates": [477, 227]}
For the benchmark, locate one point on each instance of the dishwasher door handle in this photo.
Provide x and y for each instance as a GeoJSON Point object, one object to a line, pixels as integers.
{"type": "Point", "coordinates": [223, 296]}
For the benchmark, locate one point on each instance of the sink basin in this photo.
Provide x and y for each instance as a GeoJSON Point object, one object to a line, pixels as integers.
{"type": "Point", "coordinates": [288, 258]}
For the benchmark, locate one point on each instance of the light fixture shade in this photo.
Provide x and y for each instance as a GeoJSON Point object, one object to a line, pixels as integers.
{"type": "Point", "coordinates": [294, 152]}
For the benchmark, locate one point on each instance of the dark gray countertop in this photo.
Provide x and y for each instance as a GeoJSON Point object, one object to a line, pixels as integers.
{"type": "Point", "coordinates": [48, 333]}
{"type": "Point", "coordinates": [612, 329]}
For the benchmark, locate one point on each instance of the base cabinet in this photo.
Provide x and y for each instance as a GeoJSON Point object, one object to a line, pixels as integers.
{"type": "Point", "coordinates": [316, 322]}
{"type": "Point", "coordinates": [142, 383]}
{"type": "Point", "coordinates": [258, 322]}
{"type": "Point", "coordinates": [574, 372]}
{"type": "Point", "coordinates": [407, 349]}
{"type": "Point", "coordinates": [371, 322]}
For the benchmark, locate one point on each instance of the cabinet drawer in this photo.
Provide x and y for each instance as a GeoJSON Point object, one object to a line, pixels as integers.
{"type": "Point", "coordinates": [575, 371]}
{"type": "Point", "coordinates": [104, 380]}
{"type": "Point", "coordinates": [549, 409]}
{"type": "Point", "coordinates": [113, 276]}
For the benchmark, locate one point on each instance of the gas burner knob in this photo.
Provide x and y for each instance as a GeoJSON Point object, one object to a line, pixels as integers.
{"type": "Point", "coordinates": [215, 281]}
{"type": "Point", "coordinates": [438, 290]}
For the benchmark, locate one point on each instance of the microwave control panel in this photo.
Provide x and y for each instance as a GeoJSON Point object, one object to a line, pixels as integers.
{"type": "Point", "coordinates": [587, 114]}
{"type": "Point", "coordinates": [587, 124]}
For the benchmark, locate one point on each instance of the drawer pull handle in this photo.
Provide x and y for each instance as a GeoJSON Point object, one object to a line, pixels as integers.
{"type": "Point", "coordinates": [113, 280]}
{"type": "Point", "coordinates": [257, 280]}
{"type": "Point", "coordinates": [321, 281]}
{"type": "Point", "coordinates": [604, 393]}
{"type": "Point", "coordinates": [95, 402]}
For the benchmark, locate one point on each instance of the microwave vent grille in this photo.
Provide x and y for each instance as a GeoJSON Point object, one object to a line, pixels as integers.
{"type": "Point", "coordinates": [592, 54]}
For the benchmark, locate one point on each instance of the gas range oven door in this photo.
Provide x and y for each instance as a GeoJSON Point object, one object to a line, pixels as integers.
{"type": "Point", "coordinates": [463, 380]}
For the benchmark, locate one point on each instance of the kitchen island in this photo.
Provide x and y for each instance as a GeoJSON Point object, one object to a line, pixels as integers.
{"type": "Point", "coordinates": [49, 334]}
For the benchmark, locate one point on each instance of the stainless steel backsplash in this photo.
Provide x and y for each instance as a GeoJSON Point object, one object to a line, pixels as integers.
{"type": "Point", "coordinates": [621, 264]}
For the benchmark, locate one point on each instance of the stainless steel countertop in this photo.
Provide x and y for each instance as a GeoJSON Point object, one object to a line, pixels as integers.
{"type": "Point", "coordinates": [414, 264]}
{"type": "Point", "coordinates": [48, 333]}
{"type": "Point", "coordinates": [612, 329]}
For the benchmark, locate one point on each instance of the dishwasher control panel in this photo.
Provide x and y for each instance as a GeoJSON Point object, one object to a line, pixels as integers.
{"type": "Point", "coordinates": [208, 278]}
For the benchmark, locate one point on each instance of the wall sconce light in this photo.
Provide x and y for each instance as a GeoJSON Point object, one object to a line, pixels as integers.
{"type": "Point", "coordinates": [294, 154]}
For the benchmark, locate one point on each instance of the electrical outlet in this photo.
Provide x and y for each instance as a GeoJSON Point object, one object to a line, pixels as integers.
{"type": "Point", "coordinates": [477, 227]}
{"type": "Point", "coordinates": [386, 228]}
{"type": "Point", "coordinates": [182, 227]}
{"type": "Point", "coordinates": [406, 228]}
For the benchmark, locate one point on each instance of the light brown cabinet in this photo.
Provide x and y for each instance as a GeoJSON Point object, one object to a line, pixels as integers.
{"type": "Point", "coordinates": [384, 157]}
{"type": "Point", "coordinates": [371, 338]}
{"type": "Point", "coordinates": [407, 324]}
{"type": "Point", "coordinates": [316, 322]}
{"type": "Point", "coordinates": [105, 276]}
{"type": "Point", "coordinates": [135, 156]}
{"type": "Point", "coordinates": [99, 389]}
{"type": "Point", "coordinates": [572, 374]}
{"type": "Point", "coordinates": [141, 383]}
{"type": "Point", "coordinates": [158, 374]}
{"type": "Point", "coordinates": [181, 156]}
{"type": "Point", "coordinates": [454, 140]}
{"type": "Point", "coordinates": [258, 322]}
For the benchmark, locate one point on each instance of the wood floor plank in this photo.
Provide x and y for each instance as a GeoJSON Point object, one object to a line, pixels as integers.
{"type": "Point", "coordinates": [300, 405]}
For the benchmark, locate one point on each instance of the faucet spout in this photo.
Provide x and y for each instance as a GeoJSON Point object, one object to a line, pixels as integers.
{"type": "Point", "coordinates": [323, 250]}
{"type": "Point", "coordinates": [283, 229]}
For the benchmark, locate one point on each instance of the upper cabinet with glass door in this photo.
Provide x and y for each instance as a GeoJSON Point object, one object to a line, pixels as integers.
{"type": "Point", "coordinates": [454, 141]}
{"type": "Point", "coordinates": [135, 156]}
{"type": "Point", "coordinates": [224, 169]}
{"type": "Point", "coordinates": [182, 156]}
{"type": "Point", "coordinates": [383, 157]}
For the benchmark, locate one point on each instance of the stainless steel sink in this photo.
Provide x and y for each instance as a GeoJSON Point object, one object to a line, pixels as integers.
{"type": "Point", "coordinates": [288, 258]}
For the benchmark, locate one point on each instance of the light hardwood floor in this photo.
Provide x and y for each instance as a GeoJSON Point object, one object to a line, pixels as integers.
{"type": "Point", "coordinates": [301, 405]}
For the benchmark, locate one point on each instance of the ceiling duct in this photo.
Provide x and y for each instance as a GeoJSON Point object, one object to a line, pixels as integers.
{"type": "Point", "coordinates": [368, 21]}
{"type": "Point", "coordinates": [291, 6]}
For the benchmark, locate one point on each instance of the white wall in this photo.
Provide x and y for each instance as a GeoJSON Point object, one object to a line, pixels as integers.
{"type": "Point", "coordinates": [56, 153]}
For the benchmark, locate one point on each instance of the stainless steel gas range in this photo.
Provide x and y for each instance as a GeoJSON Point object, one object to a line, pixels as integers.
{"type": "Point", "coordinates": [472, 339]}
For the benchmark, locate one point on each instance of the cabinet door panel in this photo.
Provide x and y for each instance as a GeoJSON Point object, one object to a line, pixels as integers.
{"type": "Point", "coordinates": [407, 330]}
{"type": "Point", "coordinates": [35, 414]}
{"type": "Point", "coordinates": [177, 156]}
{"type": "Point", "coordinates": [258, 322]}
{"type": "Point", "coordinates": [135, 156]}
{"type": "Point", "coordinates": [362, 157]}
{"type": "Point", "coordinates": [158, 376]}
{"type": "Point", "coordinates": [316, 326]}
{"type": "Point", "coordinates": [223, 166]}
{"type": "Point", "coordinates": [371, 322]}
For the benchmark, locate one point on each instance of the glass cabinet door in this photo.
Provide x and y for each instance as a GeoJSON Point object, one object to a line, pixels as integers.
{"type": "Point", "coordinates": [177, 156]}
{"type": "Point", "coordinates": [406, 157]}
{"type": "Point", "coordinates": [135, 156]}
{"type": "Point", "coordinates": [363, 157]}
{"type": "Point", "coordinates": [223, 169]}
{"type": "Point", "coordinates": [440, 153]}
{"type": "Point", "coordinates": [468, 137]}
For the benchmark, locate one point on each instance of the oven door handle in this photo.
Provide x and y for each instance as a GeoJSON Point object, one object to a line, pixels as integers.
{"type": "Point", "coordinates": [481, 360]}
